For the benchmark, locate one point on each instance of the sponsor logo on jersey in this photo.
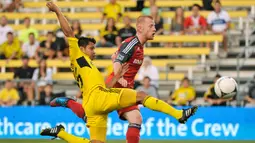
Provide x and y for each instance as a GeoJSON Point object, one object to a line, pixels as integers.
{"type": "Point", "coordinates": [139, 62]}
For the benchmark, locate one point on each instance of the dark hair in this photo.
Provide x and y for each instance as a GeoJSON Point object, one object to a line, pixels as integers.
{"type": "Point", "coordinates": [217, 75]}
{"type": "Point", "coordinates": [50, 32]}
{"type": "Point", "coordinates": [9, 33]}
{"type": "Point", "coordinates": [32, 34]}
{"type": "Point", "coordinates": [185, 78]}
{"type": "Point", "coordinates": [114, 28]}
{"type": "Point", "coordinates": [196, 5]}
{"type": "Point", "coordinates": [175, 17]}
{"type": "Point", "coordinates": [79, 27]}
{"type": "Point", "coordinates": [218, 2]}
{"type": "Point", "coordinates": [146, 77]}
{"type": "Point", "coordinates": [26, 18]}
{"type": "Point", "coordinates": [8, 80]}
{"type": "Point", "coordinates": [45, 69]}
{"type": "Point", "coordinates": [84, 41]}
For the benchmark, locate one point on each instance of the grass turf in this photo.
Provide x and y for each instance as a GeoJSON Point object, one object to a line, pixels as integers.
{"type": "Point", "coordinates": [122, 141]}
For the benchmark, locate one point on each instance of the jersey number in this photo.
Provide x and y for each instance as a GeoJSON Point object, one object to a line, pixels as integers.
{"type": "Point", "coordinates": [79, 81]}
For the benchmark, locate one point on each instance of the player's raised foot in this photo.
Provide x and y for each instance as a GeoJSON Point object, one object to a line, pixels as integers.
{"type": "Point", "coordinates": [60, 101]}
{"type": "Point", "coordinates": [187, 113]}
{"type": "Point", "coordinates": [53, 132]}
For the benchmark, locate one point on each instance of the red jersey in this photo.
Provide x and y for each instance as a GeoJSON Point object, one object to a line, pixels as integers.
{"type": "Point", "coordinates": [195, 22]}
{"type": "Point", "coordinates": [131, 52]}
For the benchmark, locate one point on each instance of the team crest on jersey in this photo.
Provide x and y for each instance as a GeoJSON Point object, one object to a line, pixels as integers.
{"type": "Point", "coordinates": [139, 62]}
{"type": "Point", "coordinates": [120, 57]}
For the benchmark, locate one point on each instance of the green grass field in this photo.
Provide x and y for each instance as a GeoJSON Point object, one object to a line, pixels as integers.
{"type": "Point", "coordinates": [122, 141]}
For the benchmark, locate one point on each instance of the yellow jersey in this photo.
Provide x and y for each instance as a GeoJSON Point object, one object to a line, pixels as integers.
{"type": "Point", "coordinates": [87, 76]}
{"type": "Point", "coordinates": [112, 10]}
{"type": "Point", "coordinates": [8, 50]}
{"type": "Point", "coordinates": [6, 95]}
{"type": "Point", "coordinates": [184, 95]}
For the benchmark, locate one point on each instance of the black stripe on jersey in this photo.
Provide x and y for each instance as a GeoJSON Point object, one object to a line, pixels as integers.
{"type": "Point", "coordinates": [82, 62]}
{"type": "Point", "coordinates": [126, 51]}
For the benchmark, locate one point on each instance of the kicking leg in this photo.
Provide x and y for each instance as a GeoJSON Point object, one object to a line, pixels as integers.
{"type": "Point", "coordinates": [130, 97]}
{"type": "Point", "coordinates": [59, 131]}
{"type": "Point", "coordinates": [69, 103]}
{"type": "Point", "coordinates": [158, 105]}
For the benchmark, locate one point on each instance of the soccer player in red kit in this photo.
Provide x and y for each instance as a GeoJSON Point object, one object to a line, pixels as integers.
{"type": "Point", "coordinates": [130, 52]}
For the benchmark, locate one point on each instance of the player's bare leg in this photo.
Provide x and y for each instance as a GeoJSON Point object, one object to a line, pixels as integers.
{"type": "Point", "coordinates": [158, 105]}
{"type": "Point", "coordinates": [59, 131]}
{"type": "Point", "coordinates": [134, 118]}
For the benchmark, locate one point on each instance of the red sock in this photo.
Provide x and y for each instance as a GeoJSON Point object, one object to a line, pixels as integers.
{"type": "Point", "coordinates": [76, 108]}
{"type": "Point", "coordinates": [133, 135]}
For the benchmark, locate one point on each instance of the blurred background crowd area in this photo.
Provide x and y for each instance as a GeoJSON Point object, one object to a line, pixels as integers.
{"type": "Point", "coordinates": [196, 42]}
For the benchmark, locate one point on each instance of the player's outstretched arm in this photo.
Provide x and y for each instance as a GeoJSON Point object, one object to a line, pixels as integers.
{"type": "Point", "coordinates": [61, 18]}
{"type": "Point", "coordinates": [123, 69]}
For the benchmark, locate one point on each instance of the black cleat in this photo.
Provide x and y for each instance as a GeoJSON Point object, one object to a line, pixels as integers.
{"type": "Point", "coordinates": [187, 113]}
{"type": "Point", "coordinates": [52, 131]}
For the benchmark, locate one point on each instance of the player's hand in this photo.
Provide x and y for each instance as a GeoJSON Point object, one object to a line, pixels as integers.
{"type": "Point", "coordinates": [52, 7]}
{"type": "Point", "coordinates": [123, 82]}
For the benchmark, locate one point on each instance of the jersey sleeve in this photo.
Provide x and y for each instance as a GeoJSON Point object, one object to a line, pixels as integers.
{"type": "Point", "coordinates": [203, 22]}
{"type": "Point", "coordinates": [209, 91]}
{"type": "Point", "coordinates": [15, 95]}
{"type": "Point", "coordinates": [226, 17]}
{"type": "Point", "coordinates": [186, 22]}
{"type": "Point", "coordinates": [210, 18]}
{"type": "Point", "coordinates": [126, 51]}
{"type": "Point", "coordinates": [74, 49]}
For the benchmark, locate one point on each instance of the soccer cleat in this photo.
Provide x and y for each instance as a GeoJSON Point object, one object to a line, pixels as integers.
{"type": "Point", "coordinates": [60, 101]}
{"type": "Point", "coordinates": [52, 131]}
{"type": "Point", "coordinates": [187, 113]}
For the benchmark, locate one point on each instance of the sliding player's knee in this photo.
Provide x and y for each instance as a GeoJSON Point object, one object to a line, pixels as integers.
{"type": "Point", "coordinates": [134, 117]}
{"type": "Point", "coordinates": [141, 96]}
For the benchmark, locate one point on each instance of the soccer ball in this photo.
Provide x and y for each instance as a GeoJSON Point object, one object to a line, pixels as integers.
{"type": "Point", "coordinates": [225, 87]}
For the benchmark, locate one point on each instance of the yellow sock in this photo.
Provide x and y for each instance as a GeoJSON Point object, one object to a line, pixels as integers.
{"type": "Point", "coordinates": [161, 106]}
{"type": "Point", "coordinates": [71, 138]}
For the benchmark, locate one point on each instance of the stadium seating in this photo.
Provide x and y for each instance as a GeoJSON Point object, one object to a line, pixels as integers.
{"type": "Point", "coordinates": [98, 15]}
{"type": "Point", "coordinates": [90, 4]}
{"type": "Point", "coordinates": [69, 76]}
{"type": "Point", "coordinates": [98, 63]}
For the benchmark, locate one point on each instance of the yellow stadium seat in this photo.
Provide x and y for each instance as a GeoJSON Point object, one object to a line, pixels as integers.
{"type": "Point", "coordinates": [63, 76]}
{"type": "Point", "coordinates": [162, 76]}
{"type": "Point", "coordinates": [133, 4]}
{"type": "Point", "coordinates": [178, 38]}
{"type": "Point", "coordinates": [188, 38]}
{"type": "Point", "coordinates": [161, 51]}
{"type": "Point", "coordinates": [98, 63]}
{"type": "Point", "coordinates": [6, 76]}
{"type": "Point", "coordinates": [171, 76]}
{"type": "Point", "coordinates": [98, 15]}
{"type": "Point", "coordinates": [77, 4]}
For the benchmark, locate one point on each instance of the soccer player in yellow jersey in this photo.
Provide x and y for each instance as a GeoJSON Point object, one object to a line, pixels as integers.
{"type": "Point", "coordinates": [98, 100]}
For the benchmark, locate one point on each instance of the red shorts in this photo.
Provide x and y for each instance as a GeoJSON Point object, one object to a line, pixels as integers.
{"type": "Point", "coordinates": [127, 109]}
